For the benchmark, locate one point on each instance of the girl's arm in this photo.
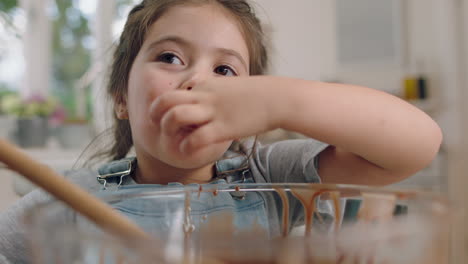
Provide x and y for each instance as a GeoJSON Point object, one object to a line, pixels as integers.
{"type": "Point", "coordinates": [375, 138]}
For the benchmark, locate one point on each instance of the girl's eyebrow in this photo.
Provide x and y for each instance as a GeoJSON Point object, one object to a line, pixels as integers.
{"type": "Point", "coordinates": [175, 39]}
{"type": "Point", "coordinates": [183, 42]}
{"type": "Point", "coordinates": [233, 53]}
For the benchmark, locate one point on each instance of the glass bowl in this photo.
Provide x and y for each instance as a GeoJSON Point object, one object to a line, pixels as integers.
{"type": "Point", "coordinates": [252, 223]}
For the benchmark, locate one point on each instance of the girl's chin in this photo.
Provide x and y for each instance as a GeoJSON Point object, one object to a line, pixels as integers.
{"type": "Point", "coordinates": [192, 162]}
{"type": "Point", "coordinates": [198, 160]}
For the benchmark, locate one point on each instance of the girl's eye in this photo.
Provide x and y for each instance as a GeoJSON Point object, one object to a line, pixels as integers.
{"type": "Point", "coordinates": [169, 58]}
{"type": "Point", "coordinates": [225, 71]}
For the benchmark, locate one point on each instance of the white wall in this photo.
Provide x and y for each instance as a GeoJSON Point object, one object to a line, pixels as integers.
{"type": "Point", "coordinates": [464, 46]}
{"type": "Point", "coordinates": [452, 84]}
{"type": "Point", "coordinates": [295, 36]}
{"type": "Point", "coordinates": [304, 42]}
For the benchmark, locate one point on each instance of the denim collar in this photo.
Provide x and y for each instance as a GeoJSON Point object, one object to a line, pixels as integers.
{"type": "Point", "coordinates": [233, 168]}
{"type": "Point", "coordinates": [116, 172]}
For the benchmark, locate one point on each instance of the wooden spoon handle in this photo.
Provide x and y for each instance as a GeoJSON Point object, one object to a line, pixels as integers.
{"type": "Point", "coordinates": [78, 199]}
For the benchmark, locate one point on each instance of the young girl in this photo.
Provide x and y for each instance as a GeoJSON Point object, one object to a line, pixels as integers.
{"type": "Point", "coordinates": [187, 83]}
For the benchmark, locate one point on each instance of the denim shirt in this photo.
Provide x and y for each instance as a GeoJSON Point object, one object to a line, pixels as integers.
{"type": "Point", "coordinates": [160, 216]}
{"type": "Point", "coordinates": [286, 161]}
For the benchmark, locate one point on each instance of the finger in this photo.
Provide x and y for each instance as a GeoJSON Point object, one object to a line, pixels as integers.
{"type": "Point", "coordinates": [201, 137]}
{"type": "Point", "coordinates": [185, 118]}
{"type": "Point", "coordinates": [168, 100]}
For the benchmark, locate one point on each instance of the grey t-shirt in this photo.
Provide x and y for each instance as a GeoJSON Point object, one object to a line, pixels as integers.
{"type": "Point", "coordinates": [291, 161]}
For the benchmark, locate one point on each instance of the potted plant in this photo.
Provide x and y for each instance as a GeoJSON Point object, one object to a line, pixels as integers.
{"type": "Point", "coordinates": [73, 132]}
{"type": "Point", "coordinates": [32, 115]}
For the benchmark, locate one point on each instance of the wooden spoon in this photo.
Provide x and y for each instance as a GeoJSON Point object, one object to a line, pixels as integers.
{"type": "Point", "coordinates": [71, 194]}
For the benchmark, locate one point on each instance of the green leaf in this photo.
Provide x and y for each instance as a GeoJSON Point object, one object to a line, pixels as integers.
{"type": "Point", "coordinates": [7, 5]}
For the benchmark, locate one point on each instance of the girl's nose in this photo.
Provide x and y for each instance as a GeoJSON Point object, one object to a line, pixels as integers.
{"type": "Point", "coordinates": [193, 79]}
{"type": "Point", "coordinates": [190, 83]}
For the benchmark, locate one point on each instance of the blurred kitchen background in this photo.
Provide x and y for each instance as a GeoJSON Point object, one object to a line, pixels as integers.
{"type": "Point", "coordinates": [54, 54]}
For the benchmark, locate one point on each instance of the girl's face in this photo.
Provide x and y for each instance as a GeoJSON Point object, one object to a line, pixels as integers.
{"type": "Point", "coordinates": [186, 46]}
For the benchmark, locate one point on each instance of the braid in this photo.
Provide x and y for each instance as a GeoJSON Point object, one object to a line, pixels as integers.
{"type": "Point", "coordinates": [123, 139]}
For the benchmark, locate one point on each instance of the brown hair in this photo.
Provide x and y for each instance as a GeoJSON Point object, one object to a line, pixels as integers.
{"type": "Point", "coordinates": [140, 18]}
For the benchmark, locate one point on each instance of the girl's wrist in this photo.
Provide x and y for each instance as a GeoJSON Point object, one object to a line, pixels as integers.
{"type": "Point", "coordinates": [274, 93]}
{"type": "Point", "coordinates": [287, 101]}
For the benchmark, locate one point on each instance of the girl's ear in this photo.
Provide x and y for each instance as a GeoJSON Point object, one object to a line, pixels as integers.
{"type": "Point", "coordinates": [121, 109]}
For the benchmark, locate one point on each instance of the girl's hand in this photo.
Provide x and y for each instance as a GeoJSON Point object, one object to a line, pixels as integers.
{"type": "Point", "coordinates": [215, 111]}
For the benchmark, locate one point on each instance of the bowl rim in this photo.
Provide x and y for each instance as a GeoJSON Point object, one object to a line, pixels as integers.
{"type": "Point", "coordinates": [151, 190]}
